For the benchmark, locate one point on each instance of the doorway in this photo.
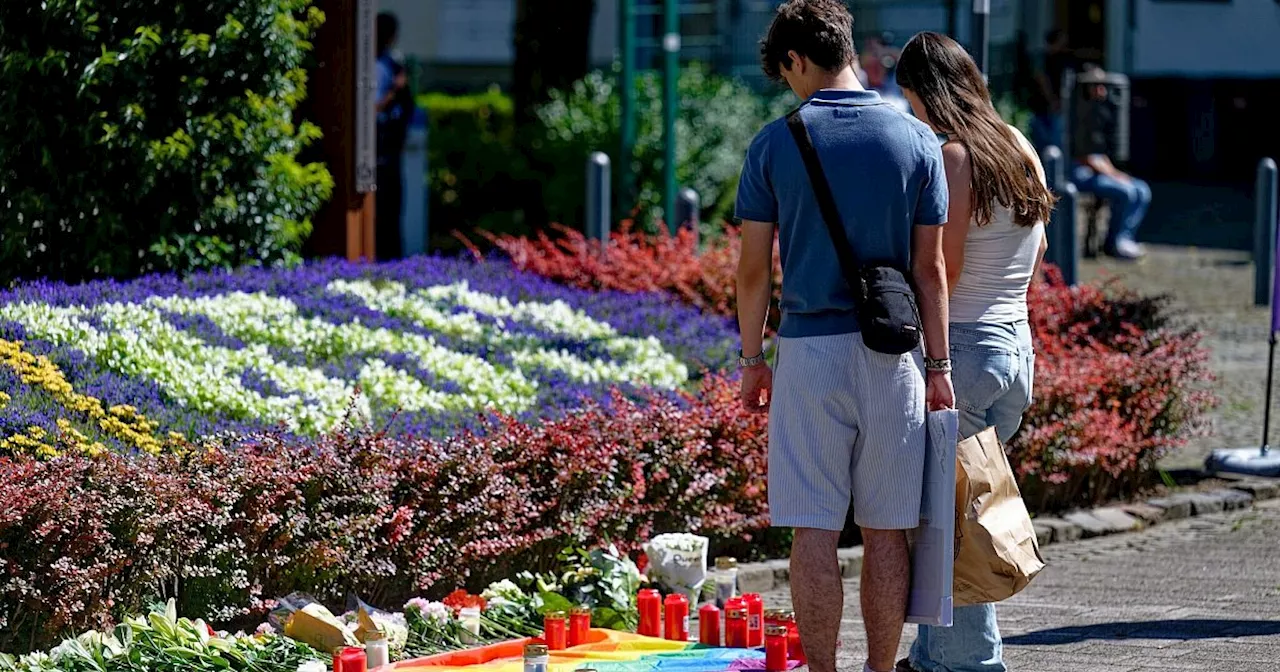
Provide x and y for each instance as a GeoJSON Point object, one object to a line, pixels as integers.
{"type": "Point", "coordinates": [1086, 24]}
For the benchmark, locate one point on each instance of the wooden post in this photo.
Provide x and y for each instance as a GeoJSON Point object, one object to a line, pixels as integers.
{"type": "Point", "coordinates": [340, 101]}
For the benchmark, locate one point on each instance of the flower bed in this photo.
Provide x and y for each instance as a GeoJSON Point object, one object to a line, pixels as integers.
{"type": "Point", "coordinates": [430, 344]}
{"type": "Point", "coordinates": [225, 531]}
{"type": "Point", "coordinates": [1116, 386]}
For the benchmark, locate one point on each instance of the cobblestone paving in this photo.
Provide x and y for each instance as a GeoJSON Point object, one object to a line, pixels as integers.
{"type": "Point", "coordinates": [1199, 594]}
{"type": "Point", "coordinates": [1212, 290]}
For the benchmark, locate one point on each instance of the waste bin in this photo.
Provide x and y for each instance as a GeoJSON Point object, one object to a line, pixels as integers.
{"type": "Point", "coordinates": [1080, 91]}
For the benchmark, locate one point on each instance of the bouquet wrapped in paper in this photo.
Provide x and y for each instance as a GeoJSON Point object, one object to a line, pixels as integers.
{"type": "Point", "coordinates": [678, 562]}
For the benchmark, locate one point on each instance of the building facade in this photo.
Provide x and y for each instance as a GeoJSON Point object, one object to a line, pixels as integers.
{"type": "Point", "coordinates": [1205, 73]}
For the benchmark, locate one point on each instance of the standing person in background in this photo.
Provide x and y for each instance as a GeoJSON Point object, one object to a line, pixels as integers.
{"type": "Point", "coordinates": [394, 102]}
{"type": "Point", "coordinates": [993, 243]}
{"type": "Point", "coordinates": [1047, 124]}
{"type": "Point", "coordinates": [845, 421]}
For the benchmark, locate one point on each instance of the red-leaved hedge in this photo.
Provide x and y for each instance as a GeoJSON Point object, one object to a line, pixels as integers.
{"type": "Point", "coordinates": [225, 530]}
{"type": "Point", "coordinates": [1116, 387]}
{"type": "Point", "coordinates": [636, 262]}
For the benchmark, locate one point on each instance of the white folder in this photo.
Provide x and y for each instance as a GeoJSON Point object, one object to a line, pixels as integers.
{"type": "Point", "coordinates": [933, 543]}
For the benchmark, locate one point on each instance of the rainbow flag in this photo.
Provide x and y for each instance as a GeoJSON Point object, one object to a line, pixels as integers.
{"type": "Point", "coordinates": [606, 651]}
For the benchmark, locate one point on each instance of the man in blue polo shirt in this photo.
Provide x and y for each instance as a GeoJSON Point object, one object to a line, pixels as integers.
{"type": "Point", "coordinates": [845, 422]}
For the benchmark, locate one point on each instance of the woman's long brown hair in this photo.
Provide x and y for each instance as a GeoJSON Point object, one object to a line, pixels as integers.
{"type": "Point", "coordinates": [954, 93]}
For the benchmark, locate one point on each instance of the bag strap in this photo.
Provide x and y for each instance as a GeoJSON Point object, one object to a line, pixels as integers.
{"type": "Point", "coordinates": [826, 200]}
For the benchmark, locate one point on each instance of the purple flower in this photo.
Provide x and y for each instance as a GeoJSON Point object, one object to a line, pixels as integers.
{"type": "Point", "coordinates": [701, 341]}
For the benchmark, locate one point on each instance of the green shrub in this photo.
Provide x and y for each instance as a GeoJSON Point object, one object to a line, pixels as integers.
{"type": "Point", "coordinates": [717, 119]}
{"type": "Point", "coordinates": [139, 135]}
{"type": "Point", "coordinates": [472, 162]}
{"type": "Point", "coordinates": [480, 177]}
{"type": "Point", "coordinates": [1014, 113]}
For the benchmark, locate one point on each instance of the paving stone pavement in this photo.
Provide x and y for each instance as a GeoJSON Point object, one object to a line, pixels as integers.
{"type": "Point", "coordinates": [1198, 594]}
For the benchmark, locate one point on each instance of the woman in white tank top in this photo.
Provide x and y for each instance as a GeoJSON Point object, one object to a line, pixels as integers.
{"type": "Point", "coordinates": [993, 242]}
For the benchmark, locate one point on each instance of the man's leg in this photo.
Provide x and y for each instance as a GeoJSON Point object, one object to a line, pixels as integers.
{"type": "Point", "coordinates": [886, 579]}
{"type": "Point", "coordinates": [811, 442]}
{"type": "Point", "coordinates": [888, 475]}
{"type": "Point", "coordinates": [817, 594]}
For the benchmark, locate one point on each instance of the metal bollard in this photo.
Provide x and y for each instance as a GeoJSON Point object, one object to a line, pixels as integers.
{"type": "Point", "coordinates": [596, 221]}
{"type": "Point", "coordinates": [1264, 232]}
{"type": "Point", "coordinates": [981, 47]}
{"type": "Point", "coordinates": [1068, 238]}
{"type": "Point", "coordinates": [1063, 233]}
{"type": "Point", "coordinates": [688, 206]}
{"type": "Point", "coordinates": [414, 234]}
{"type": "Point", "coordinates": [1055, 168]}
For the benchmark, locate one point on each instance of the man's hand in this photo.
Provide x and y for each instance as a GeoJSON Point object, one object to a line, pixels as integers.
{"type": "Point", "coordinates": [401, 81]}
{"type": "Point", "coordinates": [757, 388]}
{"type": "Point", "coordinates": [939, 394]}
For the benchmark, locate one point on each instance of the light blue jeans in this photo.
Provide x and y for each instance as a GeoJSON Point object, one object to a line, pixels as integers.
{"type": "Point", "coordinates": [1129, 201]}
{"type": "Point", "coordinates": [993, 367]}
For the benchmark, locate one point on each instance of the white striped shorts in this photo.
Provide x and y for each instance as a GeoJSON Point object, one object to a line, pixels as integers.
{"type": "Point", "coordinates": [845, 422]}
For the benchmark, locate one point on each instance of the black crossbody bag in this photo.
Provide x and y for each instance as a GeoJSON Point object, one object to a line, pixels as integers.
{"type": "Point", "coordinates": [883, 293]}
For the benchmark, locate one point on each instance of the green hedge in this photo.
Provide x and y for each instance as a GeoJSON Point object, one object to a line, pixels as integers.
{"type": "Point", "coordinates": [138, 135]}
{"type": "Point", "coordinates": [480, 177]}
{"type": "Point", "coordinates": [473, 164]}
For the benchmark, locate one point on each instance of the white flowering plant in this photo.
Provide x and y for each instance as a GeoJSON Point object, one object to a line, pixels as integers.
{"type": "Point", "coordinates": [678, 562]}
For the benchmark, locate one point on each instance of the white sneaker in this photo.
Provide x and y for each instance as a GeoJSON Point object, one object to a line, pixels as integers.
{"type": "Point", "coordinates": [1128, 249]}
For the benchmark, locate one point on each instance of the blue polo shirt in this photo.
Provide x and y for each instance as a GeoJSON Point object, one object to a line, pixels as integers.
{"type": "Point", "coordinates": [885, 169]}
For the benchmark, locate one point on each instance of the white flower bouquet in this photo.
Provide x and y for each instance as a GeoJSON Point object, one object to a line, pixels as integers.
{"type": "Point", "coordinates": [678, 562]}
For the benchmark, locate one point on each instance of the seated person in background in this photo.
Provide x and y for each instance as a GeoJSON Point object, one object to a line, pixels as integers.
{"type": "Point", "coordinates": [1127, 196]}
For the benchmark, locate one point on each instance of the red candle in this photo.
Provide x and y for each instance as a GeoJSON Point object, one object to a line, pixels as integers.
{"type": "Point", "coordinates": [556, 630]}
{"type": "Point", "coordinates": [775, 649]}
{"type": "Point", "coordinates": [735, 628]}
{"type": "Point", "coordinates": [677, 617]}
{"type": "Point", "coordinates": [755, 619]}
{"type": "Point", "coordinates": [579, 625]}
{"type": "Point", "coordinates": [337, 660]}
{"type": "Point", "coordinates": [709, 625]}
{"type": "Point", "coordinates": [353, 659]}
{"type": "Point", "coordinates": [795, 650]}
{"type": "Point", "coordinates": [649, 603]}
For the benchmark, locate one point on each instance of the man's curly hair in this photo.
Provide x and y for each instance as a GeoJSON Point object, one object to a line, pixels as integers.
{"type": "Point", "coordinates": [821, 30]}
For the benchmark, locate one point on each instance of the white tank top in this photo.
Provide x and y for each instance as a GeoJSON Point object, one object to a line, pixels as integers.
{"type": "Point", "coordinates": [999, 259]}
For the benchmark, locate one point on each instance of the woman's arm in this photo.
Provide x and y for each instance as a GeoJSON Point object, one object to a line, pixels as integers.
{"type": "Point", "coordinates": [1044, 247]}
{"type": "Point", "coordinates": [955, 160]}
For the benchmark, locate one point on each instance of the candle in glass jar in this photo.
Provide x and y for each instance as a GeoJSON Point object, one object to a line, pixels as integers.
{"type": "Point", "coordinates": [771, 617]}
{"type": "Point", "coordinates": [376, 651]}
{"type": "Point", "coordinates": [735, 628]}
{"type": "Point", "coordinates": [755, 619]}
{"type": "Point", "coordinates": [676, 614]}
{"type": "Point", "coordinates": [649, 603]}
{"type": "Point", "coordinates": [775, 649]}
{"type": "Point", "coordinates": [579, 625]}
{"type": "Point", "coordinates": [709, 625]}
{"type": "Point", "coordinates": [726, 580]}
{"type": "Point", "coordinates": [795, 650]}
{"type": "Point", "coordinates": [353, 659]}
{"type": "Point", "coordinates": [555, 627]}
{"type": "Point", "coordinates": [536, 658]}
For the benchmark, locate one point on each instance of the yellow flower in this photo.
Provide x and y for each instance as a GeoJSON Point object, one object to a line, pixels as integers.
{"type": "Point", "coordinates": [121, 421]}
{"type": "Point", "coordinates": [4, 399]}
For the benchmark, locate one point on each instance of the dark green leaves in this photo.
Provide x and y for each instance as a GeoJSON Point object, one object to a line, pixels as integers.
{"type": "Point", "coordinates": [141, 136]}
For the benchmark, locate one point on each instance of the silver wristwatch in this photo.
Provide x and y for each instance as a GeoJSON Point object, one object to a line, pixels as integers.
{"type": "Point", "coordinates": [937, 365]}
{"type": "Point", "coordinates": [748, 362]}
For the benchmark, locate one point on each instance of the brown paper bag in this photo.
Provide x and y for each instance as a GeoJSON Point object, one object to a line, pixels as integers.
{"type": "Point", "coordinates": [997, 554]}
